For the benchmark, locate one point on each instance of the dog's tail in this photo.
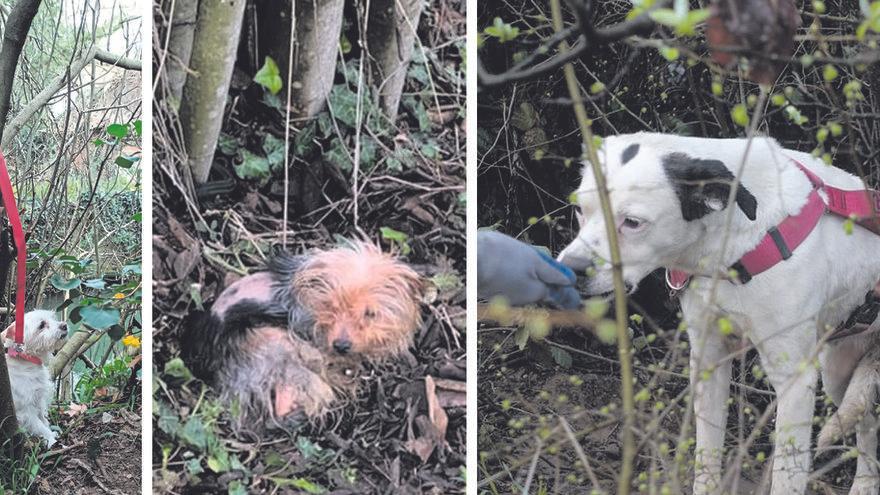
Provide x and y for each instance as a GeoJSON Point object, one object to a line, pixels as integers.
{"type": "Point", "coordinates": [861, 397]}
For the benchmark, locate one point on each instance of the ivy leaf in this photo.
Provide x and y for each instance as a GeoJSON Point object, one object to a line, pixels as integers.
{"type": "Point", "coordinates": [269, 76]}
{"type": "Point", "coordinates": [118, 131]}
{"type": "Point", "coordinates": [95, 283]}
{"type": "Point", "coordinates": [99, 318]}
{"type": "Point", "coordinates": [274, 148]}
{"type": "Point", "coordinates": [126, 161]}
{"type": "Point", "coordinates": [61, 283]}
{"type": "Point", "coordinates": [252, 166]}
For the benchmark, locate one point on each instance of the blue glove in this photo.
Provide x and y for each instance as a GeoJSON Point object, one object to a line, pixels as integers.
{"type": "Point", "coordinates": [521, 274]}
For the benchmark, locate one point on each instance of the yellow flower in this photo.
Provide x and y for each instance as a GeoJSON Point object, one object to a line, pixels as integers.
{"type": "Point", "coordinates": [119, 295]}
{"type": "Point", "coordinates": [131, 341]}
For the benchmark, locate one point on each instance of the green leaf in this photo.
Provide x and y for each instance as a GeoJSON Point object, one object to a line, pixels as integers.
{"type": "Point", "coordinates": [138, 127]}
{"type": "Point", "coordinates": [126, 161]}
{"type": "Point", "coordinates": [397, 237]}
{"type": "Point", "coordinates": [503, 31]}
{"type": "Point", "coordinates": [740, 115]}
{"type": "Point", "coordinates": [195, 434]}
{"type": "Point", "coordinates": [344, 103]}
{"type": "Point", "coordinates": [61, 283]}
{"type": "Point", "coordinates": [227, 144]}
{"type": "Point", "coordinates": [725, 327]}
{"type": "Point", "coordinates": [95, 283]}
{"type": "Point", "coordinates": [829, 73]}
{"type": "Point", "coordinates": [252, 166]}
{"type": "Point", "coordinates": [274, 148]}
{"type": "Point", "coordinates": [269, 76]}
{"type": "Point", "coordinates": [299, 483]}
{"type": "Point", "coordinates": [561, 356]}
{"type": "Point", "coordinates": [119, 131]}
{"type": "Point", "coordinates": [177, 369]}
{"type": "Point", "coordinates": [836, 129]}
{"type": "Point", "coordinates": [666, 17]}
{"type": "Point", "coordinates": [669, 53]}
{"type": "Point", "coordinates": [99, 318]}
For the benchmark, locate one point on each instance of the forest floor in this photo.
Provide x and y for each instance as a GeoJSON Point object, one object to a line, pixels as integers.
{"type": "Point", "coordinates": [411, 199]}
{"type": "Point", "coordinates": [99, 451]}
{"type": "Point", "coordinates": [525, 394]}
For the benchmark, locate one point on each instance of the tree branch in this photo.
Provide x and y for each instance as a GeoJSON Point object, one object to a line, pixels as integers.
{"type": "Point", "coordinates": [117, 60]}
{"type": "Point", "coordinates": [43, 97]}
{"type": "Point", "coordinates": [18, 24]}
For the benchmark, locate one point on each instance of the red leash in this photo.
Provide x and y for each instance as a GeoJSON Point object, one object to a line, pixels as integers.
{"type": "Point", "coordinates": [21, 263]}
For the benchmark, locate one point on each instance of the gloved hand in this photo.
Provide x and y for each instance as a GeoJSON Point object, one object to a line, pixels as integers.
{"type": "Point", "coordinates": [521, 274]}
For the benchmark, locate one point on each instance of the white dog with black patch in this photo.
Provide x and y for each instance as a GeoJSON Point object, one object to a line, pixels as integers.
{"type": "Point", "coordinates": [32, 385]}
{"type": "Point", "coordinates": [790, 273]}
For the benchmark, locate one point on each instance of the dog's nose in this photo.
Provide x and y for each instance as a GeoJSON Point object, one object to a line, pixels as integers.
{"type": "Point", "coordinates": [342, 346]}
{"type": "Point", "coordinates": [577, 261]}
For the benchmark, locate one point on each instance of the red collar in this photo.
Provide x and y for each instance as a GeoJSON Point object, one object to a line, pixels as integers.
{"type": "Point", "coordinates": [780, 241]}
{"type": "Point", "coordinates": [18, 353]}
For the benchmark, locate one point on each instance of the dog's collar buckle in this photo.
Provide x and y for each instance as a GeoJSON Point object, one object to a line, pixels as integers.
{"type": "Point", "coordinates": [16, 351]}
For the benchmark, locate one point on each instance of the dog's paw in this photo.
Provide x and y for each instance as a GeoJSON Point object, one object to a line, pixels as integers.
{"type": "Point", "coordinates": [50, 439]}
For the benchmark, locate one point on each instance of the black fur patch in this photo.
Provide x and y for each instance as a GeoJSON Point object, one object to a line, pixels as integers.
{"type": "Point", "coordinates": [208, 340]}
{"type": "Point", "coordinates": [629, 153]}
{"type": "Point", "coordinates": [697, 182]}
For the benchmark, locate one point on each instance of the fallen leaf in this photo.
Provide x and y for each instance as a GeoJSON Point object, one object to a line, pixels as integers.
{"type": "Point", "coordinates": [75, 409]}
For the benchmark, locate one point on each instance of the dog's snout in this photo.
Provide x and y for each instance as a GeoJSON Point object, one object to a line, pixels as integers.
{"type": "Point", "coordinates": [342, 346]}
{"type": "Point", "coordinates": [578, 261]}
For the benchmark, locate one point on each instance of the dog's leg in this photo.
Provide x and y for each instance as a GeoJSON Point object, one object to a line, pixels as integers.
{"type": "Point", "coordinates": [787, 362]}
{"type": "Point", "coordinates": [38, 426]}
{"type": "Point", "coordinates": [710, 377]}
{"type": "Point", "coordinates": [867, 480]}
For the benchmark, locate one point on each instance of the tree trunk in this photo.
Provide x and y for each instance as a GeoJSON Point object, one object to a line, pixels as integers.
{"type": "Point", "coordinates": [179, 49]}
{"type": "Point", "coordinates": [8, 423]}
{"type": "Point", "coordinates": [391, 38]}
{"type": "Point", "coordinates": [318, 26]}
{"type": "Point", "coordinates": [18, 24]}
{"type": "Point", "coordinates": [204, 95]}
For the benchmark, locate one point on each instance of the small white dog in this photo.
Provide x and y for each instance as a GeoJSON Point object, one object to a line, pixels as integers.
{"type": "Point", "coordinates": [32, 386]}
{"type": "Point", "coordinates": [669, 197]}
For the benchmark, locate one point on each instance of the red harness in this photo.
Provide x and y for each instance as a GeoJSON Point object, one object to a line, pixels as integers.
{"type": "Point", "coordinates": [17, 349]}
{"type": "Point", "coordinates": [779, 243]}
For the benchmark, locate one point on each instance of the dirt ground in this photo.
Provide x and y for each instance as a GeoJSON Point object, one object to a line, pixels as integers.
{"type": "Point", "coordinates": [99, 453]}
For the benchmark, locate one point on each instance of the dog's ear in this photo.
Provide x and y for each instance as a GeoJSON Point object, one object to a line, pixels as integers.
{"type": "Point", "coordinates": [703, 186]}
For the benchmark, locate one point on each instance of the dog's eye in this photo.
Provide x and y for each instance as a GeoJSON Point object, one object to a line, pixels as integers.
{"type": "Point", "coordinates": [632, 224]}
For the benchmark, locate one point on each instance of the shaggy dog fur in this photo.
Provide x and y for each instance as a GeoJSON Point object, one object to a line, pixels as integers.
{"type": "Point", "coordinates": [285, 341]}
{"type": "Point", "coordinates": [32, 386]}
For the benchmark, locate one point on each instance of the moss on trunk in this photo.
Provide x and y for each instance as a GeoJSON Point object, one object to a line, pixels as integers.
{"type": "Point", "coordinates": [204, 95]}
